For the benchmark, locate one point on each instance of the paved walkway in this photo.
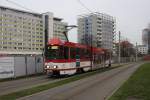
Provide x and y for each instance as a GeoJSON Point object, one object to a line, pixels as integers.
{"type": "Point", "coordinates": [96, 87]}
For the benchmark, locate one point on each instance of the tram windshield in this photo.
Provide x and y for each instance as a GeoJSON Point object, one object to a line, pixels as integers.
{"type": "Point", "coordinates": [57, 52]}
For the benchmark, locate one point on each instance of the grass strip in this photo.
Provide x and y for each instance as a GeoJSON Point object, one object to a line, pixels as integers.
{"type": "Point", "coordinates": [137, 87]}
{"type": "Point", "coordinates": [36, 89]}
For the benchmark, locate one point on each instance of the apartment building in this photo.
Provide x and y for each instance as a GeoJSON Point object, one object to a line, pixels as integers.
{"type": "Point", "coordinates": [59, 28]}
{"type": "Point", "coordinates": [54, 27]}
{"type": "Point", "coordinates": [21, 32]}
{"type": "Point", "coordinates": [96, 29]}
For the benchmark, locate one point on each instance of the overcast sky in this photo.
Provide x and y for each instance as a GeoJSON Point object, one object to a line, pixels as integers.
{"type": "Point", "coordinates": [131, 15]}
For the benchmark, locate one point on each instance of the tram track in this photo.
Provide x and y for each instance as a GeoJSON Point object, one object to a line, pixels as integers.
{"type": "Point", "coordinates": [16, 85]}
{"type": "Point", "coordinates": [99, 86]}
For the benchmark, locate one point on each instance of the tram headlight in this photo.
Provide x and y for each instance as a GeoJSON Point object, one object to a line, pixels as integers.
{"type": "Point", "coordinates": [54, 66]}
{"type": "Point", "coordinates": [48, 66]}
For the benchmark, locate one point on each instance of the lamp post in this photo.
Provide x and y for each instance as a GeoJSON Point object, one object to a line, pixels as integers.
{"type": "Point", "coordinates": [110, 57]}
{"type": "Point", "coordinates": [91, 52]}
{"type": "Point", "coordinates": [136, 51]}
{"type": "Point", "coordinates": [119, 48]}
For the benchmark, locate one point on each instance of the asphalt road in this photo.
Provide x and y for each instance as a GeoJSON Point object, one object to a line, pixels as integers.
{"type": "Point", "coordinates": [96, 87]}
{"type": "Point", "coordinates": [15, 85]}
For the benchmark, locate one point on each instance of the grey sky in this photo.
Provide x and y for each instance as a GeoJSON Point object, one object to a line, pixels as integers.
{"type": "Point", "coordinates": [131, 15]}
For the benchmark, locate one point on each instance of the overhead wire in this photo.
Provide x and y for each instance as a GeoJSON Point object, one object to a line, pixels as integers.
{"type": "Point", "coordinates": [19, 5]}
{"type": "Point", "coordinates": [83, 5]}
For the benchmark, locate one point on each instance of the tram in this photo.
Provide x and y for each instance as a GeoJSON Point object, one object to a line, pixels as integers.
{"type": "Point", "coordinates": [68, 58]}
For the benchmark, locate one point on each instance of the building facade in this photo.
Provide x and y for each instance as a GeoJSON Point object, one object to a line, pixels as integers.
{"type": "Point", "coordinates": [54, 27]}
{"type": "Point", "coordinates": [142, 49]}
{"type": "Point", "coordinates": [59, 28]}
{"type": "Point", "coordinates": [21, 32]}
{"type": "Point", "coordinates": [146, 38]}
{"type": "Point", "coordinates": [96, 29]}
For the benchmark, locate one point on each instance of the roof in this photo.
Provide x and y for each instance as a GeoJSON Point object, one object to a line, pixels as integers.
{"type": "Point", "coordinates": [141, 46]}
{"type": "Point", "coordinates": [57, 41]}
{"type": "Point", "coordinates": [22, 11]}
{"type": "Point", "coordinates": [97, 14]}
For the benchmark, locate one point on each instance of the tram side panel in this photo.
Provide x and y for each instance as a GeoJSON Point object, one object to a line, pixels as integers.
{"type": "Point", "coordinates": [86, 65]}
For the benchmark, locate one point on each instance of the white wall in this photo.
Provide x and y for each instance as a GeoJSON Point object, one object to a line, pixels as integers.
{"type": "Point", "coordinates": [6, 67]}
{"type": "Point", "coordinates": [20, 66]}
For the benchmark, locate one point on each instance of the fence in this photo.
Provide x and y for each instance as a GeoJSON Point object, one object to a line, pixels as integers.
{"type": "Point", "coordinates": [15, 66]}
{"type": "Point", "coordinates": [124, 59]}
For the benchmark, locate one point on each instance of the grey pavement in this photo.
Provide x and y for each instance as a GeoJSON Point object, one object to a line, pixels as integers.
{"type": "Point", "coordinates": [16, 85]}
{"type": "Point", "coordinates": [96, 87]}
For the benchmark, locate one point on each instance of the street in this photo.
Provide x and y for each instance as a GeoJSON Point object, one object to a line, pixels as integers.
{"type": "Point", "coordinates": [96, 87]}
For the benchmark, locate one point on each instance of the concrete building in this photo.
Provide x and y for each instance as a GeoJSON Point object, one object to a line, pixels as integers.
{"type": "Point", "coordinates": [59, 28]}
{"type": "Point", "coordinates": [54, 27]}
{"type": "Point", "coordinates": [97, 29]}
{"type": "Point", "coordinates": [146, 38]}
{"type": "Point", "coordinates": [21, 32]}
{"type": "Point", "coordinates": [142, 49]}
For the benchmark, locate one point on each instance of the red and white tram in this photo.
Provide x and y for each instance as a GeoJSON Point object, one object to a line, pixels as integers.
{"type": "Point", "coordinates": [67, 58]}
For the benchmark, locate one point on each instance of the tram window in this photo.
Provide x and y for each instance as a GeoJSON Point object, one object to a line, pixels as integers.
{"type": "Point", "coordinates": [66, 52]}
{"type": "Point", "coordinates": [55, 52]}
{"type": "Point", "coordinates": [82, 53]}
{"type": "Point", "coordinates": [72, 53]}
{"type": "Point", "coordinates": [77, 51]}
{"type": "Point", "coordinates": [61, 52]}
{"type": "Point", "coordinates": [52, 53]}
{"type": "Point", "coordinates": [87, 53]}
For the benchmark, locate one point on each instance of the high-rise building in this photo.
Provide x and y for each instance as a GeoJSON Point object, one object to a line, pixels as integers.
{"type": "Point", "coordinates": [54, 27]}
{"type": "Point", "coordinates": [97, 29]}
{"type": "Point", "coordinates": [146, 38]}
{"type": "Point", "coordinates": [59, 28]}
{"type": "Point", "coordinates": [21, 32]}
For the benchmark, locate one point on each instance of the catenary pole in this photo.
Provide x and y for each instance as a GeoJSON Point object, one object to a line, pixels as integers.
{"type": "Point", "coordinates": [119, 48]}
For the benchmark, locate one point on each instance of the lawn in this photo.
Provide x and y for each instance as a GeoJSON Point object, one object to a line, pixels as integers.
{"type": "Point", "coordinates": [137, 87]}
